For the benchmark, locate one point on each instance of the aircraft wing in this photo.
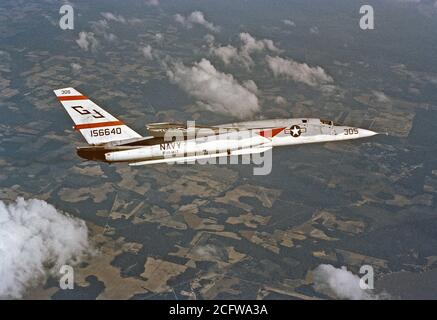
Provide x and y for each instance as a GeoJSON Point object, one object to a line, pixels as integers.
{"type": "Point", "coordinates": [203, 156]}
{"type": "Point", "coordinates": [160, 129]}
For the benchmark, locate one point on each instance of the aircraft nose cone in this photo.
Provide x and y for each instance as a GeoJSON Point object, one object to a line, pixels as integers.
{"type": "Point", "coordinates": [367, 133]}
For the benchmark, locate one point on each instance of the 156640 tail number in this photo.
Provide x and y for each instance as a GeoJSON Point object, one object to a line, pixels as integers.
{"type": "Point", "coordinates": [105, 132]}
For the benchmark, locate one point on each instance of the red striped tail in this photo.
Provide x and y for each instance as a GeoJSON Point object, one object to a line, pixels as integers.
{"type": "Point", "coordinates": [94, 123]}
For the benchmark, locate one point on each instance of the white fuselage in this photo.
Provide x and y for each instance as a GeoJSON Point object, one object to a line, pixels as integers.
{"type": "Point", "coordinates": [252, 134]}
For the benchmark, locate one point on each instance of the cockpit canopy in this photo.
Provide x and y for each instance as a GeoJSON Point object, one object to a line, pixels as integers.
{"type": "Point", "coordinates": [329, 122]}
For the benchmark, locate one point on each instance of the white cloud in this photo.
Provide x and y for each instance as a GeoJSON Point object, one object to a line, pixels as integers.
{"type": "Point", "coordinates": [196, 17]}
{"type": "Point", "coordinates": [250, 44]}
{"type": "Point", "coordinates": [209, 38]}
{"type": "Point", "coordinates": [251, 86]}
{"type": "Point", "coordinates": [242, 55]}
{"type": "Point", "coordinates": [110, 16]}
{"type": "Point", "coordinates": [159, 37]}
{"type": "Point", "coordinates": [330, 89]}
{"type": "Point", "coordinates": [147, 52]}
{"type": "Point", "coordinates": [314, 30]}
{"type": "Point", "coordinates": [289, 22]}
{"type": "Point", "coordinates": [226, 54]}
{"type": "Point", "coordinates": [110, 37]}
{"type": "Point", "coordinates": [152, 3]}
{"type": "Point", "coordinates": [101, 31]}
{"type": "Point", "coordinates": [99, 27]}
{"type": "Point", "coordinates": [75, 67]}
{"type": "Point", "coordinates": [181, 19]}
{"type": "Point", "coordinates": [207, 252]}
{"type": "Point", "coordinates": [217, 91]}
{"type": "Point", "coordinates": [343, 283]}
{"type": "Point", "coordinates": [87, 41]}
{"type": "Point", "coordinates": [300, 72]}
{"type": "Point", "coordinates": [381, 96]}
{"type": "Point", "coordinates": [280, 100]}
{"type": "Point", "coordinates": [135, 21]}
{"type": "Point", "coordinates": [33, 236]}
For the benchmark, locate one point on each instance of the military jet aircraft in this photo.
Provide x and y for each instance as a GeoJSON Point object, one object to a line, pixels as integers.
{"type": "Point", "coordinates": [110, 140]}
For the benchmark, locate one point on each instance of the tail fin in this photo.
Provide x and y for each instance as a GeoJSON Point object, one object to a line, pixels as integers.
{"type": "Point", "coordinates": [95, 124]}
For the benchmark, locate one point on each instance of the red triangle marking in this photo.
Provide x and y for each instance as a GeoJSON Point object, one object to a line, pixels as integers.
{"type": "Point", "coordinates": [270, 133]}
